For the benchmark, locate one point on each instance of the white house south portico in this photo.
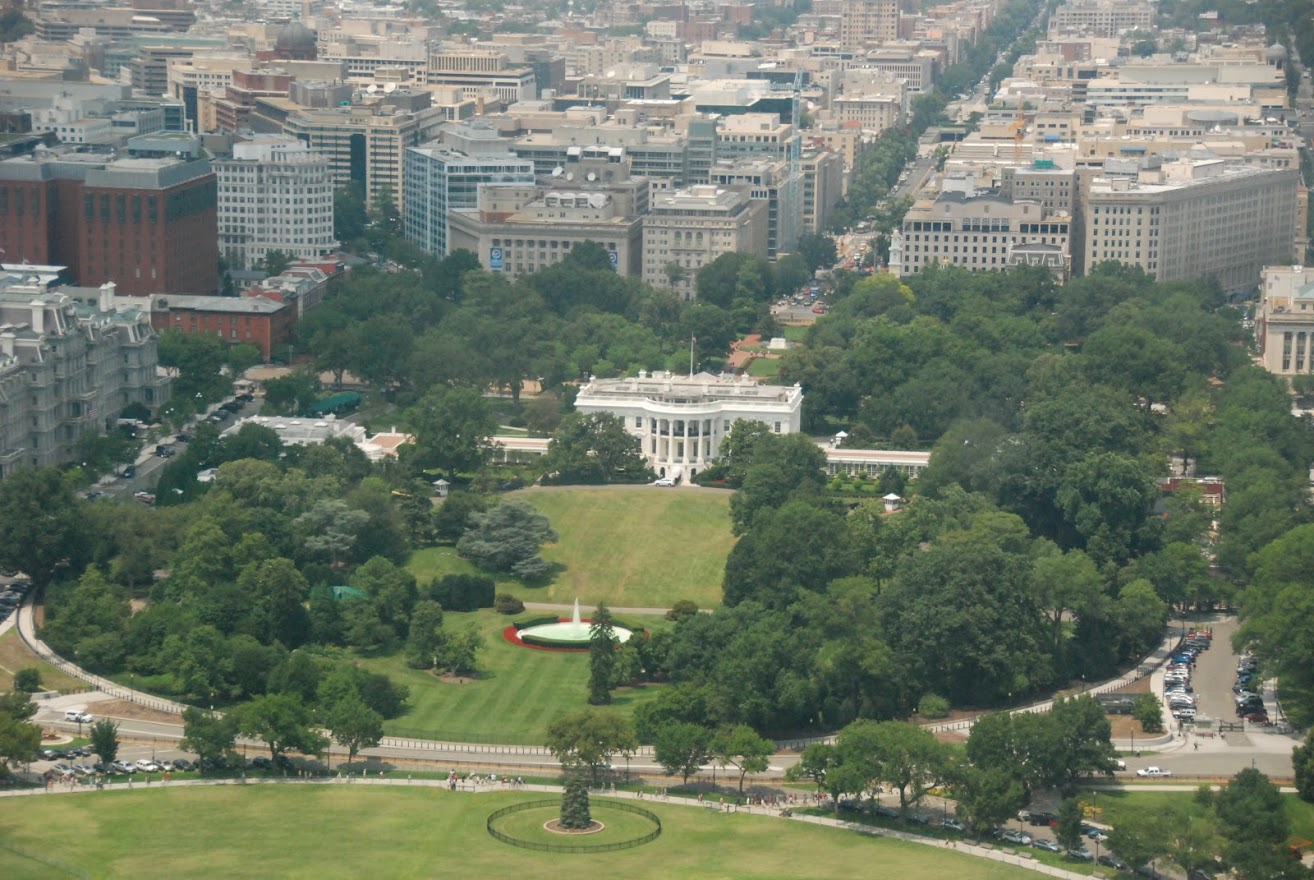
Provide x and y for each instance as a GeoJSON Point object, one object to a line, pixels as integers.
{"type": "Point", "coordinates": [681, 420]}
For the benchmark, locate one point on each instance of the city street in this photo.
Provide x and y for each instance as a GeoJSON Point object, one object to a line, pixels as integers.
{"type": "Point", "coordinates": [1218, 756]}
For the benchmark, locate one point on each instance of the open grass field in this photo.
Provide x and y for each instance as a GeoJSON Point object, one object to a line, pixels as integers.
{"type": "Point", "coordinates": [338, 831]}
{"type": "Point", "coordinates": [518, 692]}
{"type": "Point", "coordinates": [764, 368]}
{"type": "Point", "coordinates": [630, 546]}
{"type": "Point", "coordinates": [14, 655]}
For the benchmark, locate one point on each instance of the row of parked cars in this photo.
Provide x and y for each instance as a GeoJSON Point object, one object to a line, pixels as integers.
{"type": "Point", "coordinates": [12, 596]}
{"type": "Point", "coordinates": [1177, 680]}
{"type": "Point", "coordinates": [1246, 691]}
{"type": "Point", "coordinates": [1080, 854]}
{"type": "Point", "coordinates": [145, 765]}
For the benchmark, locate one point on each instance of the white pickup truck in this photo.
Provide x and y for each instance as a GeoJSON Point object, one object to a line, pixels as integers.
{"type": "Point", "coordinates": [1153, 772]}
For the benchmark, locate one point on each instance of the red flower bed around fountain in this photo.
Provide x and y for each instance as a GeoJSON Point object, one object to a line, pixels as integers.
{"type": "Point", "coordinates": [512, 635]}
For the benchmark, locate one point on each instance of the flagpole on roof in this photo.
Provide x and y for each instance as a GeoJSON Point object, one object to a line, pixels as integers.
{"type": "Point", "coordinates": [692, 340]}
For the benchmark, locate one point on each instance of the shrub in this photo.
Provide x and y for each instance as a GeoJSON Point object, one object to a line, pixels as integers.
{"type": "Point", "coordinates": [1149, 712]}
{"type": "Point", "coordinates": [682, 610]}
{"type": "Point", "coordinates": [463, 592]}
{"type": "Point", "coordinates": [505, 603]}
{"type": "Point", "coordinates": [933, 706]}
{"type": "Point", "coordinates": [27, 680]}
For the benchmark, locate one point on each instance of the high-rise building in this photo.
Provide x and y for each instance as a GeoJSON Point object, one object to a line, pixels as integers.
{"type": "Point", "coordinates": [773, 182]}
{"type": "Point", "coordinates": [864, 22]}
{"type": "Point", "coordinates": [444, 176]}
{"type": "Point", "coordinates": [68, 367]}
{"type": "Point", "coordinates": [364, 143]}
{"type": "Point", "coordinates": [1193, 218]}
{"type": "Point", "coordinates": [688, 228]}
{"type": "Point", "coordinates": [147, 224]}
{"type": "Point", "coordinates": [274, 195]}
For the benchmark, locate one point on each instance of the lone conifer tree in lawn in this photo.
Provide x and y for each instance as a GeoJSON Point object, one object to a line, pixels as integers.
{"type": "Point", "coordinates": [602, 656]}
{"type": "Point", "coordinates": [575, 803]}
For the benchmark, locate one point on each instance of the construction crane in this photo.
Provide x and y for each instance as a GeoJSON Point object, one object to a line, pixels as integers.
{"type": "Point", "coordinates": [1019, 129]}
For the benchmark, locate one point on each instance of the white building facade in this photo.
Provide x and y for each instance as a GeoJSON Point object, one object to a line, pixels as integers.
{"type": "Point", "coordinates": [681, 420]}
{"type": "Point", "coordinates": [1285, 320]}
{"type": "Point", "coordinates": [274, 195]}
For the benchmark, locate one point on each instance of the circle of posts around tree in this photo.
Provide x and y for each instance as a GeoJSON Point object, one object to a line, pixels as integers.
{"type": "Point", "coordinates": [553, 804]}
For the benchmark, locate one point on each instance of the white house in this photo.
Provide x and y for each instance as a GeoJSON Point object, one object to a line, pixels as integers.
{"type": "Point", "coordinates": [681, 420]}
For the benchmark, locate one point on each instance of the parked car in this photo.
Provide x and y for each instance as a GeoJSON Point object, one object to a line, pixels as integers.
{"type": "Point", "coordinates": [953, 825]}
{"type": "Point", "coordinates": [122, 767]}
{"type": "Point", "coordinates": [1258, 718]}
{"type": "Point", "coordinates": [1081, 854]}
{"type": "Point", "coordinates": [1109, 860]}
{"type": "Point", "coordinates": [1153, 772]}
{"type": "Point", "coordinates": [260, 762]}
{"type": "Point", "coordinates": [146, 765]}
{"type": "Point", "coordinates": [1047, 845]}
{"type": "Point", "coordinates": [1045, 820]}
{"type": "Point", "coordinates": [182, 764]}
{"type": "Point", "coordinates": [144, 497]}
{"type": "Point", "coordinates": [886, 812]}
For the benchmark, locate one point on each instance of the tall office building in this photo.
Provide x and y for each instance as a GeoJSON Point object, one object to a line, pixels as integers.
{"type": "Point", "coordinates": [441, 177]}
{"type": "Point", "coordinates": [1193, 218]}
{"type": "Point", "coordinates": [274, 195]}
{"type": "Point", "coordinates": [364, 143]}
{"type": "Point", "coordinates": [145, 224]}
{"type": "Point", "coordinates": [864, 22]}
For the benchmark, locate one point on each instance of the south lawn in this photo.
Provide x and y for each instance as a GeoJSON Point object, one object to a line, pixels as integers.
{"type": "Point", "coordinates": [333, 830]}
{"type": "Point", "coordinates": [517, 693]}
{"type": "Point", "coordinates": [630, 546]}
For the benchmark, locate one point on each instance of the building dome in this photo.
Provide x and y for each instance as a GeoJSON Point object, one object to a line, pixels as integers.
{"type": "Point", "coordinates": [1277, 52]}
{"type": "Point", "coordinates": [295, 37]}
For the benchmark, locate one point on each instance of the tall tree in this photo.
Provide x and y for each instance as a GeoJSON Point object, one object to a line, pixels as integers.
{"type": "Point", "coordinates": [741, 747]}
{"type": "Point", "coordinates": [594, 448]}
{"type": "Point", "coordinates": [283, 722]}
{"type": "Point", "coordinates": [588, 740]}
{"type": "Point", "coordinates": [507, 538]}
{"type": "Point", "coordinates": [354, 725]}
{"type": "Point", "coordinates": [681, 747]}
{"type": "Point", "coordinates": [43, 525]}
{"type": "Point", "coordinates": [105, 740]}
{"type": "Point", "coordinates": [453, 429]}
{"type": "Point", "coordinates": [602, 655]}
{"type": "Point", "coordinates": [1255, 825]}
{"type": "Point", "coordinates": [209, 735]}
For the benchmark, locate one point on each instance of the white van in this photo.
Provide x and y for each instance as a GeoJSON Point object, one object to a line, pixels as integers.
{"type": "Point", "coordinates": [79, 716]}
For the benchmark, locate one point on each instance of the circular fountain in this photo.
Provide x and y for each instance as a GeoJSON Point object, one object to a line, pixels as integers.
{"type": "Point", "coordinates": [573, 633]}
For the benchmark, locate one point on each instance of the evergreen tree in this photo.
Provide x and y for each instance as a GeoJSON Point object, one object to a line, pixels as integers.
{"type": "Point", "coordinates": [602, 656]}
{"type": "Point", "coordinates": [575, 803]}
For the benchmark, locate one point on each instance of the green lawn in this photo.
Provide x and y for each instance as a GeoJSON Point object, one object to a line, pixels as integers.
{"type": "Point", "coordinates": [630, 546]}
{"type": "Point", "coordinates": [518, 691]}
{"type": "Point", "coordinates": [795, 332]}
{"type": "Point", "coordinates": [14, 655]}
{"type": "Point", "coordinates": [339, 831]}
{"type": "Point", "coordinates": [764, 368]}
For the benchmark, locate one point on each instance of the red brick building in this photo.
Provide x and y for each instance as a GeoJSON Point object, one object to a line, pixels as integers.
{"type": "Point", "coordinates": [147, 224]}
{"type": "Point", "coordinates": [248, 320]}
